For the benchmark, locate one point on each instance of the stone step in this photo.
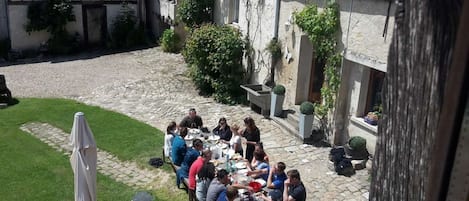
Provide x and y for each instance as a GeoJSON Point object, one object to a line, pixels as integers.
{"type": "Point", "coordinates": [293, 119]}
{"type": "Point", "coordinates": [286, 126]}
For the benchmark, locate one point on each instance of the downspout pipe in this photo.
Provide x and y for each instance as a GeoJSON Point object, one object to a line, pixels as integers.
{"type": "Point", "coordinates": [276, 27]}
{"type": "Point", "coordinates": [277, 17]}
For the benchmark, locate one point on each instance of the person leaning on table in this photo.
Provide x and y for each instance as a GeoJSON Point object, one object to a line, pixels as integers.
{"type": "Point", "coordinates": [276, 180]}
{"type": "Point", "coordinates": [218, 185]}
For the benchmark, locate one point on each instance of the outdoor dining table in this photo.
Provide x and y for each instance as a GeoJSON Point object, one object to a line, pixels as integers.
{"type": "Point", "coordinates": [225, 158]}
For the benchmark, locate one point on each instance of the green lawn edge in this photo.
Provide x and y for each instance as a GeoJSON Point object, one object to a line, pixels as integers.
{"type": "Point", "coordinates": [124, 137]}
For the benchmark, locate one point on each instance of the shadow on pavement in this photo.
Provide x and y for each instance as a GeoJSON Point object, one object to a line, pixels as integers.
{"type": "Point", "coordinates": [84, 55]}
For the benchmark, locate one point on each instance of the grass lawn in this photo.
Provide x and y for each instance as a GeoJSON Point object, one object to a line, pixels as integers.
{"type": "Point", "coordinates": [31, 170]}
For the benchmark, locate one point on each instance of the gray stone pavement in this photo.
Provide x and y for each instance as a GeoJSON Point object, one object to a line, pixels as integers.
{"type": "Point", "coordinates": [160, 92]}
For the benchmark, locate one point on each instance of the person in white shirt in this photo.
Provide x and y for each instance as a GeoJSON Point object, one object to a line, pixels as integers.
{"type": "Point", "coordinates": [235, 142]}
{"type": "Point", "coordinates": [171, 132]}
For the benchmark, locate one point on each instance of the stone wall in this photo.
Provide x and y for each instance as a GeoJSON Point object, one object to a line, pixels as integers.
{"type": "Point", "coordinates": [360, 33]}
{"type": "Point", "coordinates": [21, 40]}
{"type": "Point", "coordinates": [113, 10]}
{"type": "Point", "coordinates": [3, 20]}
{"type": "Point", "coordinates": [256, 19]}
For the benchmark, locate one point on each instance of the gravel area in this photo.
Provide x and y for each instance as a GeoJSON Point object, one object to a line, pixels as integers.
{"type": "Point", "coordinates": [79, 75]}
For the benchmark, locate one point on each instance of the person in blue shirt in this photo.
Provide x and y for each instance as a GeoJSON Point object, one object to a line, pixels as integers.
{"type": "Point", "coordinates": [179, 149]}
{"type": "Point", "coordinates": [275, 181]}
{"type": "Point", "coordinates": [191, 155]}
{"type": "Point", "coordinates": [229, 194]}
{"type": "Point", "coordinates": [261, 168]}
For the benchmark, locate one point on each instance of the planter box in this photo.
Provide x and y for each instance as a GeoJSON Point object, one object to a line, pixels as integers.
{"type": "Point", "coordinates": [305, 126]}
{"type": "Point", "coordinates": [276, 105]}
{"type": "Point", "coordinates": [258, 95]}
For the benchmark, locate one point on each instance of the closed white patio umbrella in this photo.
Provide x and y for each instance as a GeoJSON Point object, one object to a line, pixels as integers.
{"type": "Point", "coordinates": [83, 159]}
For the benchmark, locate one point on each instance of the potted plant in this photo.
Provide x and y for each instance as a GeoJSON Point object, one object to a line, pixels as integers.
{"type": "Point", "coordinates": [277, 98]}
{"type": "Point", "coordinates": [306, 119]}
{"type": "Point", "coordinates": [356, 148]}
{"type": "Point", "coordinates": [373, 117]}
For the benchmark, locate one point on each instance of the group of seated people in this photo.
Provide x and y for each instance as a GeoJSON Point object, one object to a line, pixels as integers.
{"type": "Point", "coordinates": [205, 183]}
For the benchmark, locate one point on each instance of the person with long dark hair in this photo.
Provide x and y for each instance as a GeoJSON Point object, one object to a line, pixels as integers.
{"type": "Point", "coordinates": [223, 130]}
{"type": "Point", "coordinates": [252, 135]}
{"type": "Point", "coordinates": [171, 132]}
{"type": "Point", "coordinates": [204, 177]}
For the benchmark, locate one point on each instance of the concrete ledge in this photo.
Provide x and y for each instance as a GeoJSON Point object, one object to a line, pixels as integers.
{"type": "Point", "coordinates": [360, 122]}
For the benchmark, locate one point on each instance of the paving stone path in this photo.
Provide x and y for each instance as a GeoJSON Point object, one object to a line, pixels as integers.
{"type": "Point", "coordinates": [122, 171]}
{"type": "Point", "coordinates": [159, 91]}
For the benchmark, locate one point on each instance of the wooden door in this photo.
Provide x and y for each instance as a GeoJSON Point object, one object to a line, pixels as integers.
{"type": "Point", "coordinates": [94, 24]}
{"type": "Point", "coordinates": [315, 82]}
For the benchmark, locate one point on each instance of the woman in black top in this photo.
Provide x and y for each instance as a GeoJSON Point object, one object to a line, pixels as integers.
{"type": "Point", "coordinates": [252, 135]}
{"type": "Point", "coordinates": [223, 130]}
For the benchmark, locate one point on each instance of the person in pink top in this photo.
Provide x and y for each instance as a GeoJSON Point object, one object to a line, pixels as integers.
{"type": "Point", "coordinates": [195, 168]}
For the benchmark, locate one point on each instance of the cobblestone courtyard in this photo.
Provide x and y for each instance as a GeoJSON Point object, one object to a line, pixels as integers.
{"type": "Point", "coordinates": [151, 86]}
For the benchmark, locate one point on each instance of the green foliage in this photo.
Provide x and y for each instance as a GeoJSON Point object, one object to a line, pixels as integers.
{"type": "Point", "coordinates": [279, 89]}
{"type": "Point", "coordinates": [307, 108]}
{"type": "Point", "coordinates": [125, 31]}
{"type": "Point", "coordinates": [331, 85]}
{"type": "Point", "coordinates": [357, 143]}
{"type": "Point", "coordinates": [214, 54]}
{"type": "Point", "coordinates": [170, 41]}
{"type": "Point", "coordinates": [322, 28]}
{"type": "Point", "coordinates": [62, 43]}
{"type": "Point", "coordinates": [4, 48]}
{"type": "Point", "coordinates": [195, 12]}
{"type": "Point", "coordinates": [377, 111]}
{"type": "Point", "coordinates": [275, 48]}
{"type": "Point", "coordinates": [52, 15]}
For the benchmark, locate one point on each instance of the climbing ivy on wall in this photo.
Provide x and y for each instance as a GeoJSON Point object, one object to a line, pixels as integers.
{"type": "Point", "coordinates": [322, 28]}
{"type": "Point", "coordinates": [53, 16]}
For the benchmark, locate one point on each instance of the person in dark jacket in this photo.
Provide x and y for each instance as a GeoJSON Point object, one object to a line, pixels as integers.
{"type": "Point", "coordinates": [252, 135]}
{"type": "Point", "coordinates": [192, 120]}
{"type": "Point", "coordinates": [223, 130]}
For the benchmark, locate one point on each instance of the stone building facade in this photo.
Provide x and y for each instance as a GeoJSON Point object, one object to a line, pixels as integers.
{"type": "Point", "coordinates": [362, 43]}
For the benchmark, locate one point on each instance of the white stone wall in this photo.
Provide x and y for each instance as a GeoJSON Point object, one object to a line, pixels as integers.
{"type": "Point", "coordinates": [260, 15]}
{"type": "Point", "coordinates": [364, 41]}
{"type": "Point", "coordinates": [21, 40]}
{"type": "Point", "coordinates": [77, 25]}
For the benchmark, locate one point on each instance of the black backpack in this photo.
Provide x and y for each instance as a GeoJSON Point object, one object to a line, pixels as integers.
{"type": "Point", "coordinates": [337, 154]}
{"type": "Point", "coordinates": [344, 167]}
{"type": "Point", "coordinates": [156, 162]}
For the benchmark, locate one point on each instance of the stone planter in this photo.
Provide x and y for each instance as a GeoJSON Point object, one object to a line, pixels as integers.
{"type": "Point", "coordinates": [276, 104]}
{"type": "Point", "coordinates": [305, 125]}
{"type": "Point", "coordinates": [258, 95]}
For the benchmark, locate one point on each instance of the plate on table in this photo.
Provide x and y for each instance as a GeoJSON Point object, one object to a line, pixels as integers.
{"type": "Point", "coordinates": [243, 171]}
{"type": "Point", "coordinates": [223, 145]}
{"type": "Point", "coordinates": [214, 138]}
{"type": "Point", "coordinates": [194, 131]}
{"type": "Point", "coordinates": [261, 181]}
{"type": "Point", "coordinates": [240, 165]}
